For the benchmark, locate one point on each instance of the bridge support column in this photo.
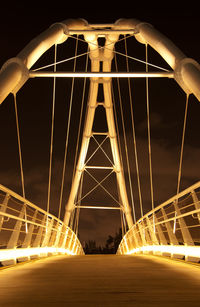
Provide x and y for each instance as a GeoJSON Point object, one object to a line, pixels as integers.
{"type": "Point", "coordinates": [105, 55]}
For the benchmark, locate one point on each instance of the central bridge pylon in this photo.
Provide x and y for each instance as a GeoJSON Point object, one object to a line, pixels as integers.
{"type": "Point", "coordinates": [100, 57]}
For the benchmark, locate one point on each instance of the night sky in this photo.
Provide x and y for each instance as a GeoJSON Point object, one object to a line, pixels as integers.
{"type": "Point", "coordinates": [167, 105]}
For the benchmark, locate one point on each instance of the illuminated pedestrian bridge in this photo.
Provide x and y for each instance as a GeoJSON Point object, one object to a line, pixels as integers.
{"type": "Point", "coordinates": [115, 154]}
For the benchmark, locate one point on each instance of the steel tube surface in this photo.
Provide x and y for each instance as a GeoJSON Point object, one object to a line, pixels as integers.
{"type": "Point", "coordinates": [44, 74]}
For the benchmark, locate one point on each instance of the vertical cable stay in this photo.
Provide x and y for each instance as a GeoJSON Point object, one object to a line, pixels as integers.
{"type": "Point", "coordinates": [133, 133]}
{"type": "Point", "coordinates": [52, 133]}
{"type": "Point", "coordinates": [67, 135]}
{"type": "Point", "coordinates": [182, 145]}
{"type": "Point", "coordinates": [77, 212]}
{"type": "Point", "coordinates": [19, 146]}
{"type": "Point", "coordinates": [125, 142]}
{"type": "Point", "coordinates": [20, 156]}
{"type": "Point", "coordinates": [181, 156]}
{"type": "Point", "coordinates": [81, 115]}
{"type": "Point", "coordinates": [149, 129]}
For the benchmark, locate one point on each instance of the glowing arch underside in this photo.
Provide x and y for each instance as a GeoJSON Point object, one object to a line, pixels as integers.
{"type": "Point", "coordinates": [15, 72]}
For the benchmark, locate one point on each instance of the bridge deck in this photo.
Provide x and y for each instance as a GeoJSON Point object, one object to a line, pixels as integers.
{"type": "Point", "coordinates": [101, 280]}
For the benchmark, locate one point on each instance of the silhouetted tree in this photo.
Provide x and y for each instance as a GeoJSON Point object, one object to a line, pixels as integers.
{"type": "Point", "coordinates": [111, 245]}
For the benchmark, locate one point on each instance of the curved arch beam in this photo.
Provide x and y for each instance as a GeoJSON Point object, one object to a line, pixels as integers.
{"type": "Point", "coordinates": [15, 72]}
{"type": "Point", "coordinates": [187, 70]}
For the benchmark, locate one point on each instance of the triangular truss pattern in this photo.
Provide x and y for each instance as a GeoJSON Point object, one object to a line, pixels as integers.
{"type": "Point", "coordinates": [100, 57]}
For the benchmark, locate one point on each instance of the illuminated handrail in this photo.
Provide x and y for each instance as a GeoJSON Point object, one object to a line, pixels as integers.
{"type": "Point", "coordinates": [27, 231]}
{"type": "Point", "coordinates": [171, 229]}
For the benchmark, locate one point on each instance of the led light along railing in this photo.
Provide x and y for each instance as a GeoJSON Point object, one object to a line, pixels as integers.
{"type": "Point", "coordinates": [27, 231]}
{"type": "Point", "coordinates": [47, 74]}
{"type": "Point", "coordinates": [171, 229]}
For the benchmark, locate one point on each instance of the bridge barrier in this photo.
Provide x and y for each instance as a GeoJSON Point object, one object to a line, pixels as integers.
{"type": "Point", "coordinates": [171, 229]}
{"type": "Point", "coordinates": [28, 232]}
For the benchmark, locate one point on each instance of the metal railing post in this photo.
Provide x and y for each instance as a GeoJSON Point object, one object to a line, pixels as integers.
{"type": "Point", "coordinates": [135, 236]}
{"type": "Point", "coordinates": [3, 209]}
{"type": "Point", "coordinates": [196, 203]}
{"type": "Point", "coordinates": [28, 237]}
{"type": "Point", "coordinates": [38, 239]}
{"type": "Point", "coordinates": [48, 231]}
{"type": "Point", "coordinates": [172, 236]}
{"type": "Point", "coordinates": [142, 233]}
{"type": "Point", "coordinates": [161, 235]}
{"type": "Point", "coordinates": [146, 231]}
{"type": "Point", "coordinates": [184, 230]}
{"type": "Point", "coordinates": [12, 243]}
{"type": "Point", "coordinates": [58, 234]}
{"type": "Point", "coordinates": [65, 238]}
{"type": "Point", "coordinates": [151, 228]}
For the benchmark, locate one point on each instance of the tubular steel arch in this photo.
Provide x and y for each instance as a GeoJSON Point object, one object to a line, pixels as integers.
{"type": "Point", "coordinates": [16, 71]}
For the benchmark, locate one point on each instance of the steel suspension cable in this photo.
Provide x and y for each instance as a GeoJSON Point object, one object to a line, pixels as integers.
{"type": "Point", "coordinates": [94, 152]}
{"type": "Point", "coordinates": [99, 183]}
{"type": "Point", "coordinates": [76, 213]}
{"type": "Point", "coordinates": [52, 132]}
{"type": "Point", "coordinates": [125, 142]}
{"type": "Point", "coordinates": [20, 156]}
{"type": "Point", "coordinates": [125, 55]}
{"type": "Point", "coordinates": [74, 57]}
{"type": "Point", "coordinates": [81, 116]}
{"type": "Point", "coordinates": [134, 135]}
{"type": "Point", "coordinates": [149, 130]}
{"type": "Point", "coordinates": [19, 146]}
{"type": "Point", "coordinates": [181, 158]}
{"type": "Point", "coordinates": [102, 47]}
{"type": "Point", "coordinates": [101, 148]}
{"type": "Point", "coordinates": [67, 135]}
{"type": "Point", "coordinates": [182, 145]}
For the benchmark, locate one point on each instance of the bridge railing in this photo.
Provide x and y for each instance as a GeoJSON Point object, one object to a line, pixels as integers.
{"type": "Point", "coordinates": [171, 229]}
{"type": "Point", "coordinates": [27, 231]}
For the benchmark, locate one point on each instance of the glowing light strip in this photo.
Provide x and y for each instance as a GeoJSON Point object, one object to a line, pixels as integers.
{"type": "Point", "coordinates": [33, 74]}
{"type": "Point", "coordinates": [10, 254]}
{"type": "Point", "coordinates": [187, 251]}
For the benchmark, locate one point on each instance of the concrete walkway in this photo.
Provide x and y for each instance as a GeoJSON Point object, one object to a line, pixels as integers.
{"type": "Point", "coordinates": [101, 280]}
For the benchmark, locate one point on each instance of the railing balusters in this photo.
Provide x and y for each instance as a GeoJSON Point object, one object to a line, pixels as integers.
{"type": "Point", "coordinates": [196, 203]}
{"type": "Point", "coordinates": [12, 243]}
{"type": "Point", "coordinates": [28, 237]}
{"type": "Point", "coordinates": [38, 239]}
{"type": "Point", "coordinates": [31, 232]}
{"type": "Point", "coordinates": [154, 239]}
{"type": "Point", "coordinates": [3, 209]}
{"type": "Point", "coordinates": [161, 234]}
{"type": "Point", "coordinates": [172, 236]}
{"type": "Point", "coordinates": [142, 233]}
{"type": "Point", "coordinates": [178, 241]}
{"type": "Point", "coordinates": [184, 230]}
